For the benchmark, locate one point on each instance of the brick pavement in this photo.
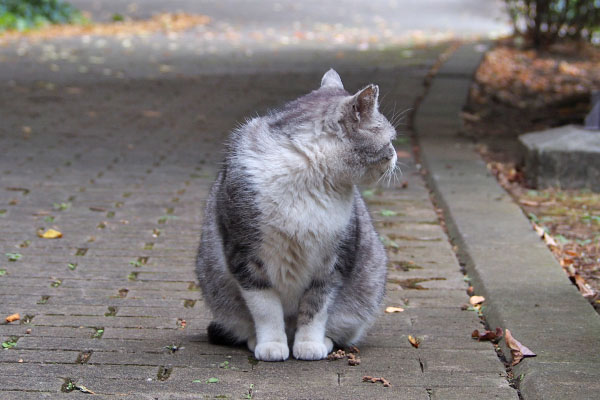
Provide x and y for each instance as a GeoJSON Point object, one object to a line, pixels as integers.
{"type": "Point", "coordinates": [121, 168]}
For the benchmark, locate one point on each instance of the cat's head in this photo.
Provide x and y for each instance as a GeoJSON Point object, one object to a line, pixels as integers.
{"type": "Point", "coordinates": [365, 135]}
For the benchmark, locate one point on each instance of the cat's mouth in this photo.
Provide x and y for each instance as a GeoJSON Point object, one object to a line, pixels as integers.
{"type": "Point", "coordinates": [383, 166]}
{"type": "Point", "coordinates": [390, 169]}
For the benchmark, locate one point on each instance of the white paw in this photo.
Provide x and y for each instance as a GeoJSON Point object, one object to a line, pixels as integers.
{"type": "Point", "coordinates": [328, 344]}
{"type": "Point", "coordinates": [271, 351]}
{"type": "Point", "coordinates": [311, 350]}
{"type": "Point", "coordinates": [251, 343]}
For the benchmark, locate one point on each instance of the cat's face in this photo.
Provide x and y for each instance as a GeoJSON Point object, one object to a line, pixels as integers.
{"type": "Point", "coordinates": [367, 154]}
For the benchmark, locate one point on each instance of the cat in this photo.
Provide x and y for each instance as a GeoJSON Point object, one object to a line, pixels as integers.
{"type": "Point", "coordinates": [288, 249]}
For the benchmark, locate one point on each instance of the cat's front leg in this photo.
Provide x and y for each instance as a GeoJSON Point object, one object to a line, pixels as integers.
{"type": "Point", "coordinates": [267, 313]}
{"type": "Point", "coordinates": [310, 342]}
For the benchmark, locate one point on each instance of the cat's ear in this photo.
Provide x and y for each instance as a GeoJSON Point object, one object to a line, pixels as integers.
{"type": "Point", "coordinates": [332, 79]}
{"type": "Point", "coordinates": [364, 102]}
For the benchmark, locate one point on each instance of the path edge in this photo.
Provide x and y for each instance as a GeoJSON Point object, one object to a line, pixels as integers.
{"type": "Point", "coordinates": [525, 288]}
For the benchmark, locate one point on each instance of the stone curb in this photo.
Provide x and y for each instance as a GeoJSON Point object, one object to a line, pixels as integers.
{"type": "Point", "coordinates": [525, 288]}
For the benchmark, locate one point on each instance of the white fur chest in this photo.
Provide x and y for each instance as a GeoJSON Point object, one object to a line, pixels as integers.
{"type": "Point", "coordinates": [299, 240]}
{"type": "Point", "coordinates": [302, 214]}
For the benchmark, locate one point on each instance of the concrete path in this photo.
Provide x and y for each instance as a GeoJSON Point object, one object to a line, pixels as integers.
{"type": "Point", "coordinates": [114, 142]}
{"type": "Point", "coordinates": [526, 289]}
{"type": "Point", "coordinates": [121, 168]}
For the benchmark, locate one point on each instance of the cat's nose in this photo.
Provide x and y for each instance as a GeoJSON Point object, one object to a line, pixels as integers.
{"type": "Point", "coordinates": [389, 153]}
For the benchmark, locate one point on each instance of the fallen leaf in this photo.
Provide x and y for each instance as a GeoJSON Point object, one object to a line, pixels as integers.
{"type": "Point", "coordinates": [416, 342]}
{"type": "Point", "coordinates": [13, 317]}
{"type": "Point", "coordinates": [336, 355]}
{"type": "Point", "coordinates": [50, 234]}
{"type": "Point", "coordinates": [74, 90]}
{"type": "Point", "coordinates": [394, 309]}
{"type": "Point", "coordinates": [487, 335]}
{"type": "Point", "coordinates": [585, 289]}
{"type": "Point", "coordinates": [517, 350]}
{"type": "Point", "coordinates": [531, 203]}
{"type": "Point", "coordinates": [353, 360]}
{"type": "Point", "coordinates": [212, 380]}
{"type": "Point", "coordinates": [371, 379]}
{"type": "Point", "coordinates": [539, 230]}
{"type": "Point", "coordinates": [550, 240]}
{"type": "Point", "coordinates": [151, 114]}
{"type": "Point", "coordinates": [83, 389]}
{"type": "Point", "coordinates": [388, 213]}
{"type": "Point", "coordinates": [14, 256]}
{"type": "Point", "coordinates": [544, 235]}
{"type": "Point", "coordinates": [470, 117]}
{"type": "Point", "coordinates": [474, 300]}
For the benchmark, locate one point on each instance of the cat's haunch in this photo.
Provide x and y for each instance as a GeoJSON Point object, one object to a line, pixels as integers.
{"type": "Point", "coordinates": [288, 253]}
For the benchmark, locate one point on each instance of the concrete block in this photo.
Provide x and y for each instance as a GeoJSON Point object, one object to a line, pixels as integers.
{"type": "Point", "coordinates": [567, 157]}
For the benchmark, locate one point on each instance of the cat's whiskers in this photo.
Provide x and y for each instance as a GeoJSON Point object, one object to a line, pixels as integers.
{"type": "Point", "coordinates": [398, 118]}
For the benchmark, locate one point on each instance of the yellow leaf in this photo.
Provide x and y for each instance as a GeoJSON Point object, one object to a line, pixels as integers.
{"type": "Point", "coordinates": [13, 317]}
{"type": "Point", "coordinates": [394, 309]}
{"type": "Point", "coordinates": [50, 234]}
{"type": "Point", "coordinates": [474, 300]}
{"type": "Point", "coordinates": [414, 341]}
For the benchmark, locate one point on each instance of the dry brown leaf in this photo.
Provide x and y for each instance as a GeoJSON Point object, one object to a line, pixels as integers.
{"type": "Point", "coordinates": [336, 355]}
{"type": "Point", "coordinates": [151, 114]}
{"type": "Point", "coordinates": [474, 300]}
{"type": "Point", "coordinates": [531, 203]}
{"type": "Point", "coordinates": [394, 309]}
{"type": "Point", "coordinates": [470, 117]}
{"type": "Point", "coordinates": [371, 379]}
{"type": "Point", "coordinates": [586, 290]}
{"type": "Point", "coordinates": [517, 350]}
{"type": "Point", "coordinates": [165, 22]}
{"type": "Point", "coordinates": [353, 360]}
{"type": "Point", "coordinates": [550, 240]}
{"type": "Point", "coordinates": [13, 317]}
{"type": "Point", "coordinates": [416, 342]}
{"type": "Point", "coordinates": [487, 335]}
{"type": "Point", "coordinates": [74, 90]}
{"type": "Point", "coordinates": [50, 234]}
{"type": "Point", "coordinates": [544, 235]}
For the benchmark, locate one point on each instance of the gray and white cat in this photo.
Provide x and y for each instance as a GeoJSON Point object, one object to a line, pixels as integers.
{"type": "Point", "coordinates": [288, 249]}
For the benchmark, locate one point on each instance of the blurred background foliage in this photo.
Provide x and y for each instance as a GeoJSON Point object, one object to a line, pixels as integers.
{"type": "Point", "coordinates": [543, 22]}
{"type": "Point", "coordinates": [22, 15]}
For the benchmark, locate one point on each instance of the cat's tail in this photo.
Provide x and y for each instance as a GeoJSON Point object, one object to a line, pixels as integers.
{"type": "Point", "coordinates": [218, 334]}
